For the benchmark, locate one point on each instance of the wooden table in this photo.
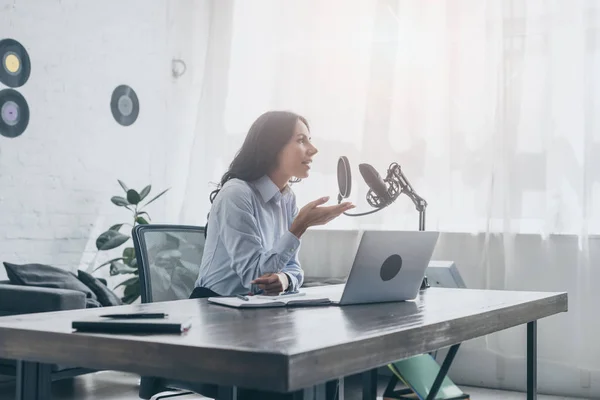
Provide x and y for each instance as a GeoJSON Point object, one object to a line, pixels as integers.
{"type": "Point", "coordinates": [277, 349]}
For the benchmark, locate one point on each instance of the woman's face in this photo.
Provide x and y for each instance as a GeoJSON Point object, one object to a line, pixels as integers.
{"type": "Point", "coordinates": [295, 158]}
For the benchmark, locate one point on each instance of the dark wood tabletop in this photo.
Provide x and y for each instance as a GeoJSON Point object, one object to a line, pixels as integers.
{"type": "Point", "coordinates": [280, 349]}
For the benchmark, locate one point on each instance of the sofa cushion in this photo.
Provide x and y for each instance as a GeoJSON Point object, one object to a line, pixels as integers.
{"type": "Point", "coordinates": [105, 296]}
{"type": "Point", "coordinates": [45, 276]}
{"type": "Point", "coordinates": [21, 299]}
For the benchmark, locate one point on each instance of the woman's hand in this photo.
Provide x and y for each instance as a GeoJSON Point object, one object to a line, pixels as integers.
{"type": "Point", "coordinates": [272, 284]}
{"type": "Point", "coordinates": [312, 214]}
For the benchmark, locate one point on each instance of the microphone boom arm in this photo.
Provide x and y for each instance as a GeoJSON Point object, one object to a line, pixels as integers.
{"type": "Point", "coordinates": [399, 184]}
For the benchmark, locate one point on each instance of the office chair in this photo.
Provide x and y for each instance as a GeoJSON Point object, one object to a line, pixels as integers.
{"type": "Point", "coordinates": [168, 259]}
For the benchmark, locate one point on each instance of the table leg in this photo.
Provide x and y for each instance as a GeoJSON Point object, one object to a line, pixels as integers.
{"type": "Point", "coordinates": [532, 360]}
{"type": "Point", "coordinates": [227, 393]}
{"type": "Point", "coordinates": [335, 389]}
{"type": "Point", "coordinates": [325, 391]}
{"type": "Point", "coordinates": [369, 382]}
{"type": "Point", "coordinates": [33, 381]}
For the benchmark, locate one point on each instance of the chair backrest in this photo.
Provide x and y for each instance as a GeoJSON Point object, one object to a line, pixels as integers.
{"type": "Point", "coordinates": [168, 259]}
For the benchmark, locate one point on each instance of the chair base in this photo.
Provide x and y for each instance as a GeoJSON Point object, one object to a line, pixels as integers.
{"type": "Point", "coordinates": [176, 395]}
{"type": "Point", "coordinates": [151, 386]}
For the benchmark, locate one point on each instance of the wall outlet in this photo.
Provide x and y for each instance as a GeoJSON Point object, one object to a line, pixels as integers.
{"type": "Point", "coordinates": [500, 368]}
{"type": "Point", "coordinates": [585, 378]}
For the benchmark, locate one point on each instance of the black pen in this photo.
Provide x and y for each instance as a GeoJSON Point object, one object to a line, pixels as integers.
{"type": "Point", "coordinates": [241, 296]}
{"type": "Point", "coordinates": [136, 315]}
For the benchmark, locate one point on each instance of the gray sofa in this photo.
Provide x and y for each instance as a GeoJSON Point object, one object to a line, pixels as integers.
{"type": "Point", "coordinates": [18, 299]}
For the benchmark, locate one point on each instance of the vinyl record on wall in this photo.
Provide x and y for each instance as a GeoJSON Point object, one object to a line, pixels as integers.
{"type": "Point", "coordinates": [15, 65]}
{"type": "Point", "coordinates": [14, 113]}
{"type": "Point", "coordinates": [124, 105]}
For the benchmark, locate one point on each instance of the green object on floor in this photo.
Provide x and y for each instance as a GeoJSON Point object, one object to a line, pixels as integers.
{"type": "Point", "coordinates": [418, 373]}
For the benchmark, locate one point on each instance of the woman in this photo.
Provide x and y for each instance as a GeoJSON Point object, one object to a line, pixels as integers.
{"type": "Point", "coordinates": [254, 226]}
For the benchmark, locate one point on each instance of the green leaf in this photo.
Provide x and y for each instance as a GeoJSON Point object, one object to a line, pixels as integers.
{"type": "Point", "coordinates": [115, 227]}
{"type": "Point", "coordinates": [110, 240]}
{"type": "Point", "coordinates": [133, 197]}
{"type": "Point", "coordinates": [143, 212]}
{"type": "Point", "coordinates": [130, 281]}
{"type": "Point", "coordinates": [120, 201]}
{"type": "Point", "coordinates": [128, 253]}
{"type": "Point", "coordinates": [132, 288]}
{"type": "Point", "coordinates": [131, 293]}
{"type": "Point", "coordinates": [108, 262]}
{"type": "Point", "coordinates": [160, 194]}
{"type": "Point", "coordinates": [141, 220]}
{"type": "Point", "coordinates": [145, 191]}
{"type": "Point", "coordinates": [124, 186]}
{"type": "Point", "coordinates": [117, 268]}
{"type": "Point", "coordinates": [130, 299]}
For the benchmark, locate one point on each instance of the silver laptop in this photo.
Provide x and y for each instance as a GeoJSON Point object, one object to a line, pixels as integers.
{"type": "Point", "coordinates": [389, 266]}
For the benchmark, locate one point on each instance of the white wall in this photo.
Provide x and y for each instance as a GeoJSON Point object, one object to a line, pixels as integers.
{"type": "Point", "coordinates": [57, 178]}
{"type": "Point", "coordinates": [568, 346]}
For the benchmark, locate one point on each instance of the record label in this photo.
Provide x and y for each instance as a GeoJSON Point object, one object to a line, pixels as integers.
{"type": "Point", "coordinates": [124, 105]}
{"type": "Point", "coordinates": [14, 113]}
{"type": "Point", "coordinates": [10, 113]}
{"type": "Point", "coordinates": [12, 63]}
{"type": "Point", "coordinates": [15, 64]}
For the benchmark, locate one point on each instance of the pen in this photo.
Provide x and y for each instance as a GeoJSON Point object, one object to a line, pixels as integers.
{"type": "Point", "coordinates": [138, 315]}
{"type": "Point", "coordinates": [255, 289]}
{"type": "Point", "coordinates": [241, 296]}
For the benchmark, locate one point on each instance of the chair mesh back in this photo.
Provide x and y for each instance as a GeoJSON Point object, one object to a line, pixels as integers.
{"type": "Point", "coordinates": [172, 261]}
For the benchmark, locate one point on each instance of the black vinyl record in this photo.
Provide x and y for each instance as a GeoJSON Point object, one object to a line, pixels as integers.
{"type": "Point", "coordinates": [14, 113]}
{"type": "Point", "coordinates": [124, 105]}
{"type": "Point", "coordinates": [15, 65]}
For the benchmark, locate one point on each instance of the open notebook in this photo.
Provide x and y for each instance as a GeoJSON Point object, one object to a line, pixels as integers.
{"type": "Point", "coordinates": [301, 299]}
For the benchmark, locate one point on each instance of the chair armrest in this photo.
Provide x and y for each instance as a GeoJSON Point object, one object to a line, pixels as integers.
{"type": "Point", "coordinates": [19, 299]}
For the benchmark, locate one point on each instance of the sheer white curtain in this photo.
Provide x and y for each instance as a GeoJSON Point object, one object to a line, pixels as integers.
{"type": "Point", "coordinates": [490, 107]}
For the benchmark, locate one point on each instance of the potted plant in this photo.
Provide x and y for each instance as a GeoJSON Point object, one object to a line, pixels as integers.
{"type": "Point", "coordinates": [126, 264]}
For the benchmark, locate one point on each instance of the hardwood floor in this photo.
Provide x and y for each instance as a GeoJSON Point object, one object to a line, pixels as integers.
{"type": "Point", "coordinates": [112, 385]}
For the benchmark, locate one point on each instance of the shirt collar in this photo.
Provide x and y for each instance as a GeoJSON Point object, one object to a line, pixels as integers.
{"type": "Point", "coordinates": [268, 189]}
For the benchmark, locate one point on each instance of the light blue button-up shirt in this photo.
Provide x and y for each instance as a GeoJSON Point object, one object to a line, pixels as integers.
{"type": "Point", "coordinates": [248, 236]}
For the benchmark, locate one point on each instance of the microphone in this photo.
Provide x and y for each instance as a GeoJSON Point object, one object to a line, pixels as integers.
{"type": "Point", "coordinates": [382, 192]}
{"type": "Point", "coordinates": [370, 175]}
{"type": "Point", "coordinates": [378, 196]}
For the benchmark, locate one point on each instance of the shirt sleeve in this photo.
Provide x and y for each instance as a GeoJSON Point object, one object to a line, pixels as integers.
{"type": "Point", "coordinates": [240, 234]}
{"type": "Point", "coordinates": [293, 269]}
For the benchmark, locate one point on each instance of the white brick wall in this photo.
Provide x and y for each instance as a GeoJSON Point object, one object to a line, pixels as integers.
{"type": "Point", "coordinates": [56, 180]}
